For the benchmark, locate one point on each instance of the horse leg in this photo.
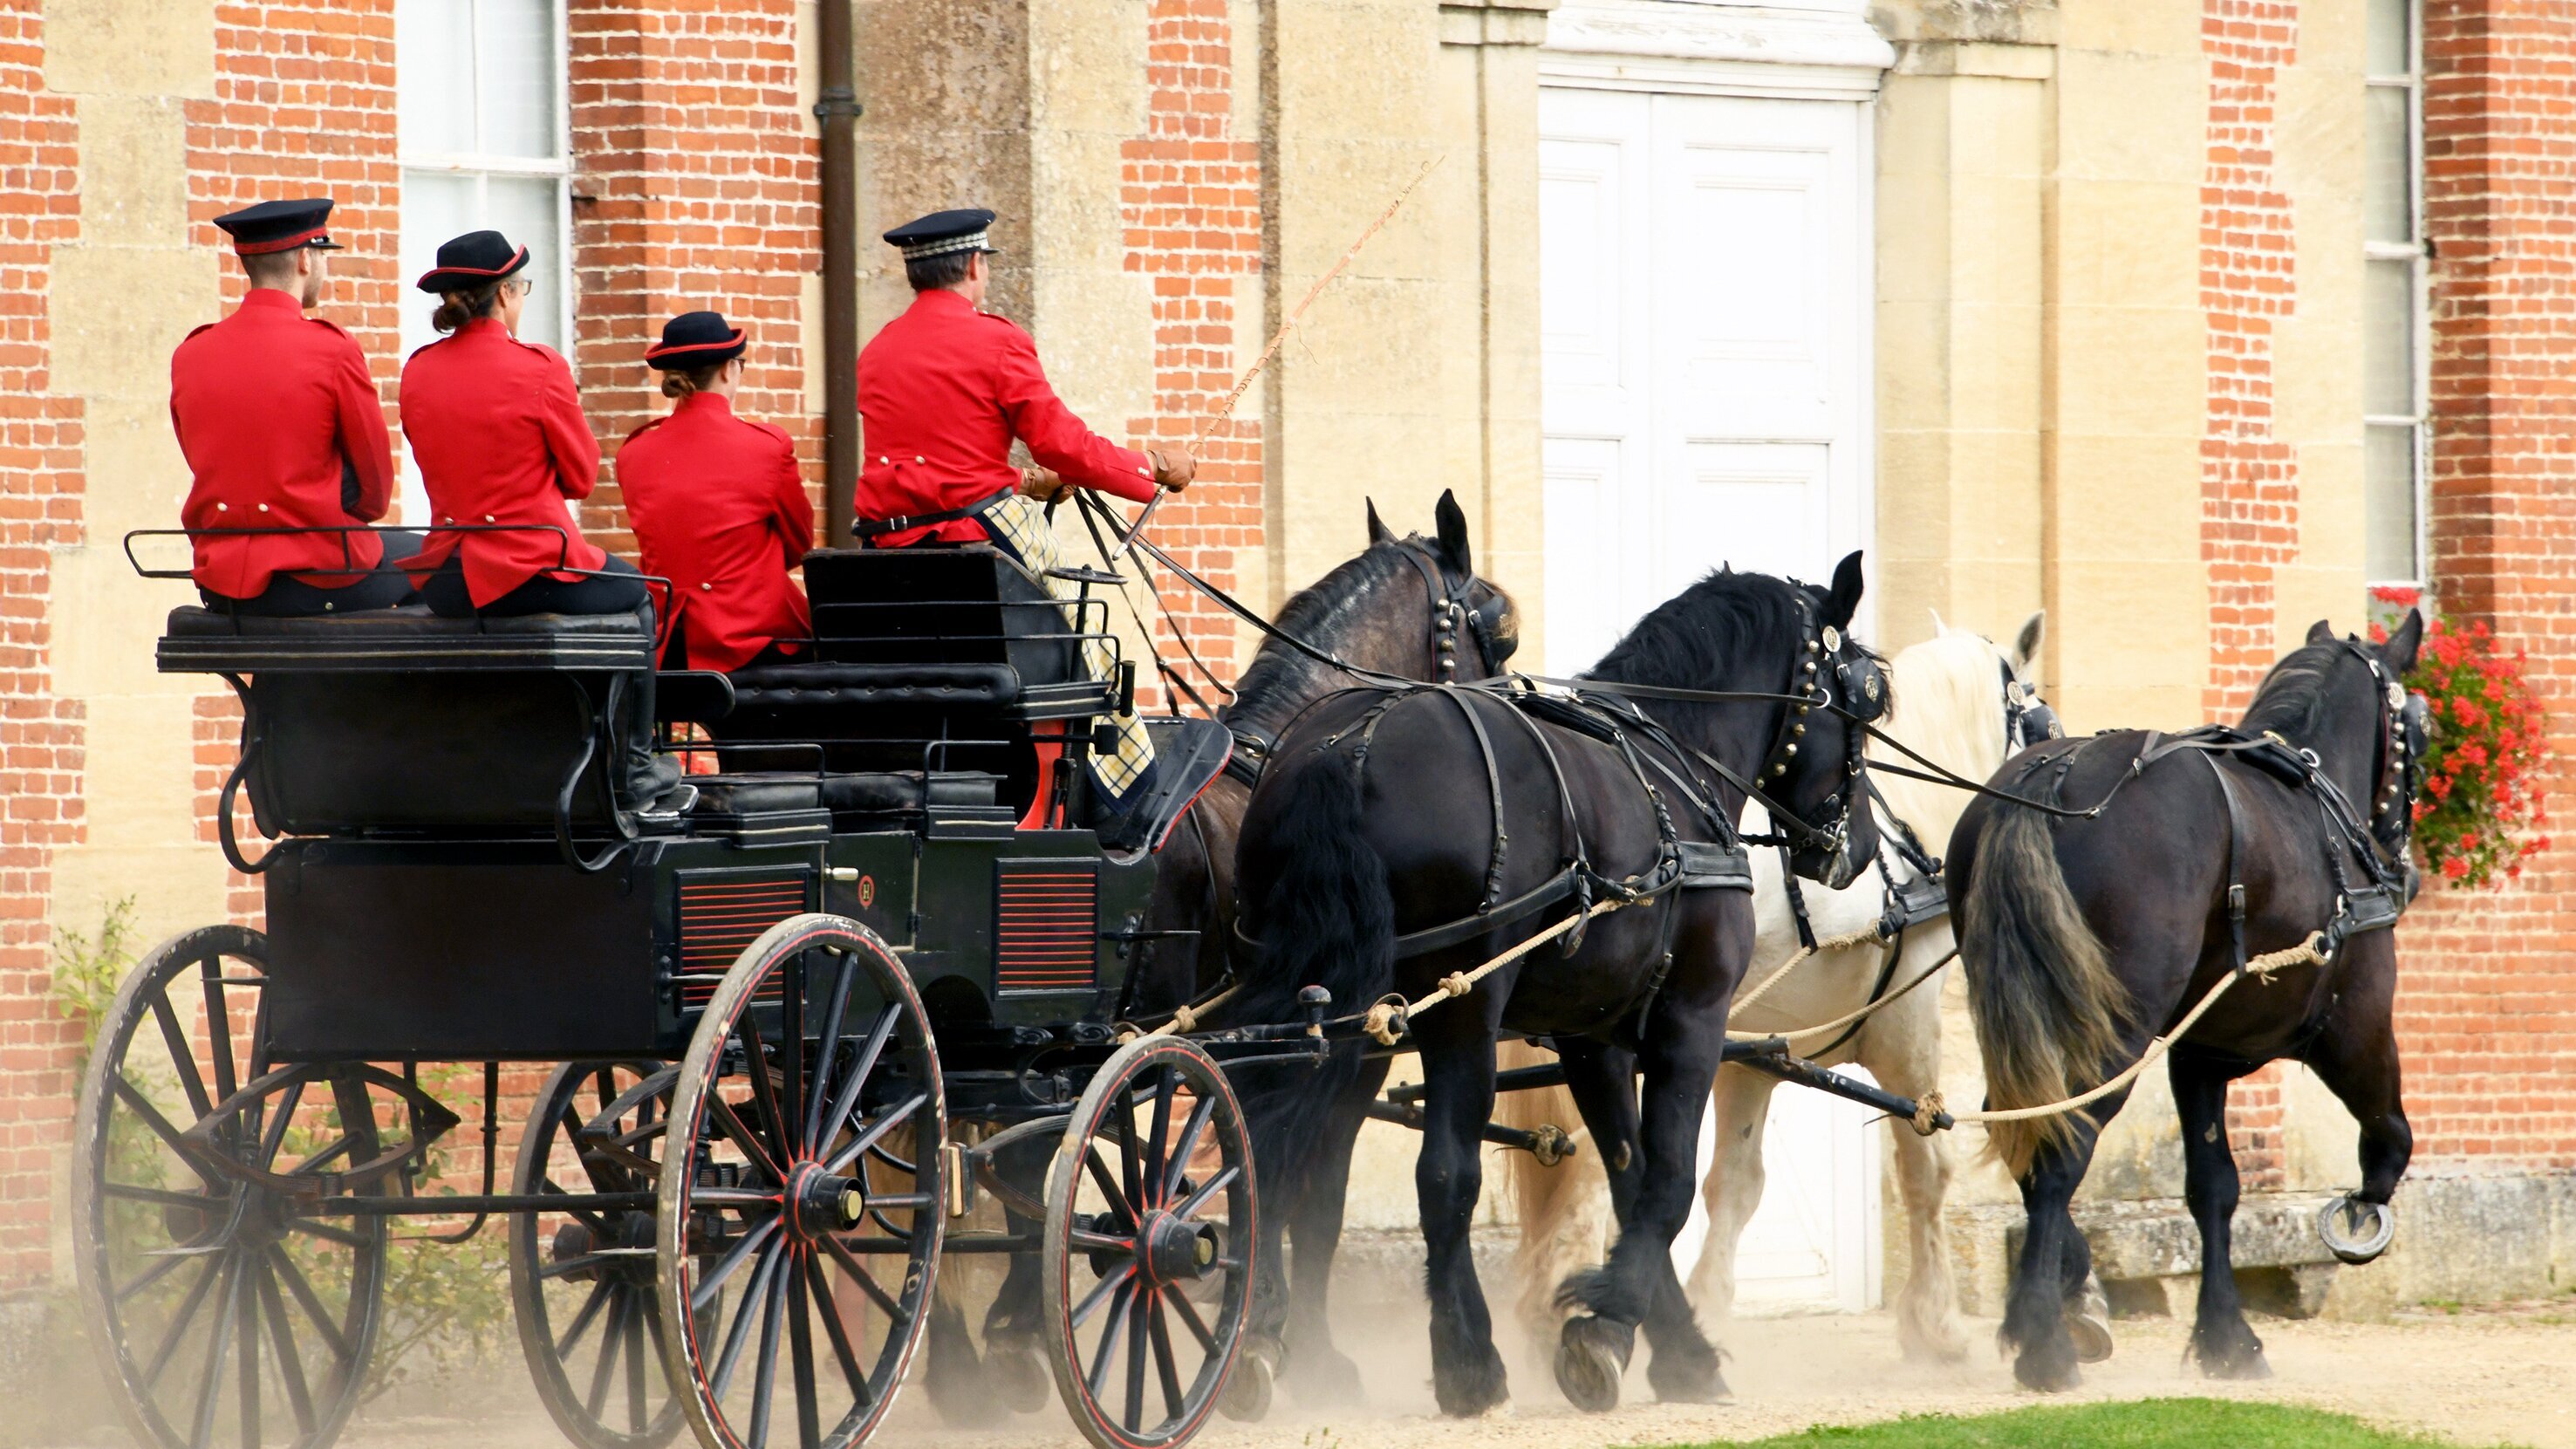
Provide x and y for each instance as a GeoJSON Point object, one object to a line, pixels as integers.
{"type": "Point", "coordinates": [1901, 1047]}
{"type": "Point", "coordinates": [1322, 1373]}
{"type": "Point", "coordinates": [1603, 1082]}
{"type": "Point", "coordinates": [1458, 1099]}
{"type": "Point", "coordinates": [2054, 1262]}
{"type": "Point", "coordinates": [2356, 1057]}
{"type": "Point", "coordinates": [2220, 1337]}
{"type": "Point", "coordinates": [1734, 1186]}
{"type": "Point", "coordinates": [1637, 1286]}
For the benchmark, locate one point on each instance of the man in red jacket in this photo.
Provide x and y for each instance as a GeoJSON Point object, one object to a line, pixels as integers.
{"type": "Point", "coordinates": [282, 428]}
{"type": "Point", "coordinates": [944, 390]}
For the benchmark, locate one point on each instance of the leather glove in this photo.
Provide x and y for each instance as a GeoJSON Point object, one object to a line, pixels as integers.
{"type": "Point", "coordinates": [1173, 470]}
{"type": "Point", "coordinates": [1043, 484]}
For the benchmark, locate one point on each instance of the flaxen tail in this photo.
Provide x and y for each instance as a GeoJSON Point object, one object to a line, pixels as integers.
{"type": "Point", "coordinates": [2048, 1010]}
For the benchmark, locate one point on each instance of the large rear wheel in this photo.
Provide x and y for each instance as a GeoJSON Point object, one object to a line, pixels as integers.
{"type": "Point", "coordinates": [801, 1209]}
{"type": "Point", "coordinates": [224, 1313]}
{"type": "Point", "coordinates": [1149, 1241]}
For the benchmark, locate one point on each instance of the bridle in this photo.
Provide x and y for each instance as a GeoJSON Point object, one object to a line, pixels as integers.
{"type": "Point", "coordinates": [1453, 614]}
{"type": "Point", "coordinates": [2397, 765]}
{"type": "Point", "coordinates": [2027, 718]}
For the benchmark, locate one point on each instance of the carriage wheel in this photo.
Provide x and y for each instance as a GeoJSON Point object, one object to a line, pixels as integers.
{"type": "Point", "coordinates": [223, 1314]}
{"type": "Point", "coordinates": [590, 1318]}
{"type": "Point", "coordinates": [1149, 1243]}
{"type": "Point", "coordinates": [801, 1208]}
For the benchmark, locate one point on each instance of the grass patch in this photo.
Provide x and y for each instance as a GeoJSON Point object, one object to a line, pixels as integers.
{"type": "Point", "coordinates": [2147, 1424]}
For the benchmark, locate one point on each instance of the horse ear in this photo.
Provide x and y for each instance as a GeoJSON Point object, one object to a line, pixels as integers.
{"type": "Point", "coordinates": [2026, 644]}
{"type": "Point", "coordinates": [1845, 597]}
{"type": "Point", "coordinates": [1453, 533]}
{"type": "Point", "coordinates": [1378, 531]}
{"type": "Point", "coordinates": [2399, 652]}
{"type": "Point", "coordinates": [1940, 627]}
{"type": "Point", "coordinates": [2321, 632]}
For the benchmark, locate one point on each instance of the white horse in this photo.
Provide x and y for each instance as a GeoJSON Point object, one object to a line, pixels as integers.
{"type": "Point", "coordinates": [1950, 704]}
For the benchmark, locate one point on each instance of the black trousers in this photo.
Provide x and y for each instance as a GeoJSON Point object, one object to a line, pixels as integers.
{"type": "Point", "coordinates": [289, 597]}
{"type": "Point", "coordinates": [616, 589]}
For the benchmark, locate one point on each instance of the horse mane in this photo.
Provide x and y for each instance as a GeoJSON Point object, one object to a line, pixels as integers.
{"type": "Point", "coordinates": [1701, 635]}
{"type": "Point", "coordinates": [2291, 701]}
{"type": "Point", "coordinates": [1323, 613]}
{"type": "Point", "coordinates": [1954, 713]}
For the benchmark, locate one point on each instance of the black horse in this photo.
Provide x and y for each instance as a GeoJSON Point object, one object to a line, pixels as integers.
{"type": "Point", "coordinates": [2085, 935]}
{"type": "Point", "coordinates": [1398, 812]}
{"type": "Point", "coordinates": [1410, 607]}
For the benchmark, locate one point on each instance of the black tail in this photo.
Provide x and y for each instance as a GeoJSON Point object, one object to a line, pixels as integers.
{"type": "Point", "coordinates": [1324, 918]}
{"type": "Point", "coordinates": [2049, 1010]}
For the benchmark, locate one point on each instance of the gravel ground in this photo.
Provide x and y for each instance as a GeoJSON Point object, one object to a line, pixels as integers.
{"type": "Point", "coordinates": [2491, 1376]}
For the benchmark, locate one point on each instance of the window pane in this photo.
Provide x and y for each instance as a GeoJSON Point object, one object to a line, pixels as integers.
{"type": "Point", "coordinates": [434, 76]}
{"type": "Point", "coordinates": [2389, 22]}
{"type": "Point", "coordinates": [2388, 340]}
{"type": "Point", "coordinates": [2388, 200]}
{"type": "Point", "coordinates": [516, 50]}
{"type": "Point", "coordinates": [2388, 503]}
{"type": "Point", "coordinates": [526, 210]}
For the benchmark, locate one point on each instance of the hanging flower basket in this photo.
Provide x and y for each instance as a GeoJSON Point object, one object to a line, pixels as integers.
{"type": "Point", "coordinates": [2482, 808]}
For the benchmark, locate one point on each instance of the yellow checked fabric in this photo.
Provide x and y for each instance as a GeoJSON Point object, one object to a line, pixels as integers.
{"type": "Point", "coordinates": [1020, 527]}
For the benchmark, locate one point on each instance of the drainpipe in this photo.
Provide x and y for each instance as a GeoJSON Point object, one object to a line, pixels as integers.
{"type": "Point", "coordinates": [838, 109]}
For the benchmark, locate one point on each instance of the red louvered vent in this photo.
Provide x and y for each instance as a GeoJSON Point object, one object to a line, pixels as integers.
{"type": "Point", "coordinates": [720, 913]}
{"type": "Point", "coordinates": [1047, 924]}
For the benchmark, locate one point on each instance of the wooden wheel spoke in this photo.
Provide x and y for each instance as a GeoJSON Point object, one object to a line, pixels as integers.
{"type": "Point", "coordinates": [346, 1143]}
{"type": "Point", "coordinates": [1190, 1206]}
{"type": "Point", "coordinates": [731, 1124]}
{"type": "Point", "coordinates": [635, 1384]}
{"type": "Point", "coordinates": [827, 1046]}
{"type": "Point", "coordinates": [868, 1284]}
{"type": "Point", "coordinates": [290, 1363]}
{"type": "Point", "coordinates": [764, 1090]}
{"type": "Point", "coordinates": [1097, 1378]}
{"type": "Point", "coordinates": [161, 1126]}
{"type": "Point", "coordinates": [791, 1053]}
{"type": "Point", "coordinates": [192, 1201]}
{"type": "Point", "coordinates": [1160, 1328]}
{"type": "Point", "coordinates": [1158, 1138]}
{"type": "Point", "coordinates": [1108, 1185]}
{"type": "Point", "coordinates": [851, 1150]}
{"type": "Point", "coordinates": [846, 1100]}
{"type": "Point", "coordinates": [1138, 1309]}
{"type": "Point", "coordinates": [612, 1347]}
{"type": "Point", "coordinates": [1188, 1313]}
{"type": "Point", "coordinates": [712, 1281]}
{"type": "Point", "coordinates": [275, 1137]}
{"type": "Point", "coordinates": [185, 1314]}
{"type": "Point", "coordinates": [311, 1303]}
{"type": "Point", "coordinates": [1131, 1155]}
{"type": "Point", "coordinates": [591, 1308]}
{"type": "Point", "coordinates": [219, 1342]}
{"type": "Point", "coordinates": [1115, 1282]}
{"type": "Point", "coordinates": [219, 1028]}
{"type": "Point", "coordinates": [345, 1237]}
{"type": "Point", "coordinates": [764, 1387]}
{"type": "Point", "coordinates": [169, 1264]}
{"type": "Point", "coordinates": [1100, 1242]}
{"type": "Point", "coordinates": [800, 1352]}
{"type": "Point", "coordinates": [838, 1334]}
{"type": "Point", "coordinates": [755, 1296]}
{"type": "Point", "coordinates": [1179, 1166]}
{"type": "Point", "coordinates": [182, 1056]}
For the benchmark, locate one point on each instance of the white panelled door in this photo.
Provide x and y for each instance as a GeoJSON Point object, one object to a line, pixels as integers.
{"type": "Point", "coordinates": [1705, 290]}
{"type": "Point", "coordinates": [1704, 293]}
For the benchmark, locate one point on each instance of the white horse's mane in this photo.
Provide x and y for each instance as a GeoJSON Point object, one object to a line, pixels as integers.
{"type": "Point", "coordinates": [1949, 707]}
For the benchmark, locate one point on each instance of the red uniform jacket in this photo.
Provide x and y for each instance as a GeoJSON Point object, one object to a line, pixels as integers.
{"type": "Point", "coordinates": [497, 430]}
{"type": "Point", "coordinates": [944, 388]}
{"type": "Point", "coordinates": [719, 509]}
{"type": "Point", "coordinates": [282, 428]}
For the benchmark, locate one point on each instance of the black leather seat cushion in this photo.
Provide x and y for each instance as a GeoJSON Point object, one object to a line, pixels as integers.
{"type": "Point", "coordinates": [873, 792]}
{"type": "Point", "coordinates": [205, 640]}
{"type": "Point", "coordinates": [817, 685]}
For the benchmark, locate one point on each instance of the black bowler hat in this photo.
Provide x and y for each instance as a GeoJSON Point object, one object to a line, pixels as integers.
{"type": "Point", "coordinates": [943, 232]}
{"type": "Point", "coordinates": [472, 260]}
{"type": "Point", "coordinates": [693, 340]}
{"type": "Point", "coordinates": [279, 226]}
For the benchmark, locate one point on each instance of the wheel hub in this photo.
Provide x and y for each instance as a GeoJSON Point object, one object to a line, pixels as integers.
{"type": "Point", "coordinates": [1172, 1250]}
{"type": "Point", "coordinates": [821, 1204]}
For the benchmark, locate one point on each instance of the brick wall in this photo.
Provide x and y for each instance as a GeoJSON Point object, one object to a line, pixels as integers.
{"type": "Point", "coordinates": [696, 184]}
{"type": "Point", "coordinates": [41, 737]}
{"type": "Point", "coordinates": [2248, 476]}
{"type": "Point", "coordinates": [2487, 994]}
{"type": "Point", "coordinates": [1189, 193]}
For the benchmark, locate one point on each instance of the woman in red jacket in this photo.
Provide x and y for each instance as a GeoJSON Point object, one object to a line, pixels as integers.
{"type": "Point", "coordinates": [496, 427]}
{"type": "Point", "coordinates": [718, 507]}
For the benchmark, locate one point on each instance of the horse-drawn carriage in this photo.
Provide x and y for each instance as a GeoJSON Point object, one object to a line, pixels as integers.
{"type": "Point", "coordinates": [778, 1016]}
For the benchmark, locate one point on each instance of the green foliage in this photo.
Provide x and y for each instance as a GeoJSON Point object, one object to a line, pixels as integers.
{"type": "Point", "coordinates": [89, 969]}
{"type": "Point", "coordinates": [2147, 1424]}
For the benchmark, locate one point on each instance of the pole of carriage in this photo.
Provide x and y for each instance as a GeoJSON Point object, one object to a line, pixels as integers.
{"type": "Point", "coordinates": [837, 108]}
{"type": "Point", "coordinates": [1225, 409]}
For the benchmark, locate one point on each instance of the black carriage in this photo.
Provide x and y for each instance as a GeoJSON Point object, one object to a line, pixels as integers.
{"type": "Point", "coordinates": [875, 978]}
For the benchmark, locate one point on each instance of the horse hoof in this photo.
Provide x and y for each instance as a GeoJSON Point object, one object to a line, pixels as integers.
{"type": "Point", "coordinates": [1591, 1358]}
{"type": "Point", "coordinates": [1248, 1389]}
{"type": "Point", "coordinates": [2247, 1368]}
{"type": "Point", "coordinates": [2092, 1336]}
{"type": "Point", "coordinates": [1019, 1376]}
{"type": "Point", "coordinates": [2356, 1232]}
{"type": "Point", "coordinates": [2047, 1375]}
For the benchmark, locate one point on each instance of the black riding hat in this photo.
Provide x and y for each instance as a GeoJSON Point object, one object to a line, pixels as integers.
{"type": "Point", "coordinates": [279, 226]}
{"type": "Point", "coordinates": [943, 232]}
{"type": "Point", "coordinates": [471, 261]}
{"type": "Point", "coordinates": [696, 339]}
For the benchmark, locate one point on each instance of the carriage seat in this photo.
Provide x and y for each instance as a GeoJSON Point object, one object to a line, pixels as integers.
{"type": "Point", "coordinates": [411, 638]}
{"type": "Point", "coordinates": [860, 800]}
{"type": "Point", "coordinates": [823, 685]}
